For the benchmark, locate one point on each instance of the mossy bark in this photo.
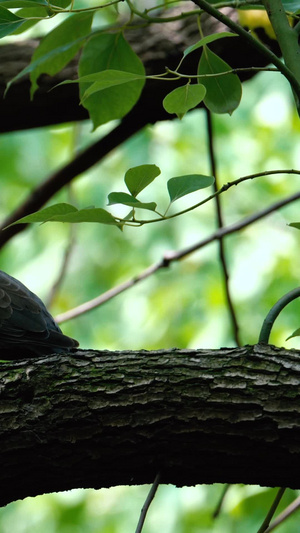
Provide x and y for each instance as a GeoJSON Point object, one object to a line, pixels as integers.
{"type": "Point", "coordinates": [98, 419]}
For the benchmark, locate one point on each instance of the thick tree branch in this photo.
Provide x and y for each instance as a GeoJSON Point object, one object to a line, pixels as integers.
{"type": "Point", "coordinates": [158, 46]}
{"type": "Point", "coordinates": [98, 419]}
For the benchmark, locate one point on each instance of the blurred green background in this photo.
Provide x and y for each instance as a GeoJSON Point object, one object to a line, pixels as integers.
{"type": "Point", "coordinates": [182, 306]}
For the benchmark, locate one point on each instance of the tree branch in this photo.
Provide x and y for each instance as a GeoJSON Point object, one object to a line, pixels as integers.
{"type": "Point", "coordinates": [98, 419]}
{"type": "Point", "coordinates": [157, 45]}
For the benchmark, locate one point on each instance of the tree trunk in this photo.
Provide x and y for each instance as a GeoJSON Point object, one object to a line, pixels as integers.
{"type": "Point", "coordinates": [98, 419]}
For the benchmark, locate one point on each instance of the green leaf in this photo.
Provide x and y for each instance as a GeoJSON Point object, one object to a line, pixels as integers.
{"type": "Point", "coordinates": [107, 78]}
{"type": "Point", "coordinates": [57, 48]}
{"type": "Point", "coordinates": [110, 51]}
{"type": "Point", "coordinates": [126, 199]}
{"type": "Point", "coordinates": [223, 93]}
{"type": "Point", "coordinates": [291, 5]}
{"type": "Point", "coordinates": [68, 213]}
{"type": "Point", "coordinates": [183, 185]}
{"type": "Point", "coordinates": [70, 33]}
{"type": "Point", "coordinates": [182, 99]}
{"type": "Point", "coordinates": [47, 213]}
{"type": "Point", "coordinates": [295, 334]}
{"type": "Point", "coordinates": [38, 12]}
{"type": "Point", "coordinates": [9, 22]}
{"type": "Point", "coordinates": [35, 3]}
{"type": "Point", "coordinates": [295, 225]}
{"type": "Point", "coordinates": [137, 178]}
{"type": "Point", "coordinates": [208, 39]}
{"type": "Point", "coordinates": [23, 3]}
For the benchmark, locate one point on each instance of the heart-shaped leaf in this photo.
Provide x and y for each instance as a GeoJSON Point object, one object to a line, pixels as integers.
{"type": "Point", "coordinates": [126, 199]}
{"type": "Point", "coordinates": [137, 178]}
{"type": "Point", "coordinates": [182, 99]}
{"type": "Point", "coordinates": [183, 185]}
{"type": "Point", "coordinates": [223, 93]}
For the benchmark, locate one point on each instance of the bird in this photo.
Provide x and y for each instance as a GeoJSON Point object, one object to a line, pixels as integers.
{"type": "Point", "coordinates": [27, 329]}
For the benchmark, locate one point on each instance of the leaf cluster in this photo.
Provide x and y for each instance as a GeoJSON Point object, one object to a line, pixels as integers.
{"type": "Point", "coordinates": [110, 74]}
{"type": "Point", "coordinates": [136, 180]}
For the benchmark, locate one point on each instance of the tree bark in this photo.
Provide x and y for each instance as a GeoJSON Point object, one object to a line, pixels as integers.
{"type": "Point", "coordinates": [98, 419]}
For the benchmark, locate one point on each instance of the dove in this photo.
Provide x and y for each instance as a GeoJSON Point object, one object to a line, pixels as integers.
{"type": "Point", "coordinates": [27, 329]}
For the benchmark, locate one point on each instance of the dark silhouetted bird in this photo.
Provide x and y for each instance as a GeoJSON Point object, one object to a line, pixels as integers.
{"type": "Point", "coordinates": [26, 327]}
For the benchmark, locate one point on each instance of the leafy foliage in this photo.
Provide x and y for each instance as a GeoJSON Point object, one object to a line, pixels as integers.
{"type": "Point", "coordinates": [223, 93]}
{"type": "Point", "coordinates": [136, 179]}
{"type": "Point", "coordinates": [183, 99]}
{"type": "Point", "coordinates": [186, 310]}
{"type": "Point", "coordinates": [102, 53]}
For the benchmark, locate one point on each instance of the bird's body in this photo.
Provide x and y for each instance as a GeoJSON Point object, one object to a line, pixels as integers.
{"type": "Point", "coordinates": [26, 327]}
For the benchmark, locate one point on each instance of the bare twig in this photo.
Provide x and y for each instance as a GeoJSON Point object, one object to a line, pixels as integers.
{"type": "Point", "coordinates": [63, 267]}
{"type": "Point", "coordinates": [108, 295]}
{"type": "Point", "coordinates": [147, 504]}
{"type": "Point", "coordinates": [220, 222]}
{"type": "Point", "coordinates": [272, 510]}
{"type": "Point", "coordinates": [172, 256]}
{"type": "Point", "coordinates": [221, 500]}
{"type": "Point", "coordinates": [284, 515]}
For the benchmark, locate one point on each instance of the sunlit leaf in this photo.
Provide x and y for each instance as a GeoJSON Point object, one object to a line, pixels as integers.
{"type": "Point", "coordinates": [223, 93]}
{"type": "Point", "coordinates": [107, 78]}
{"type": "Point", "coordinates": [68, 213]}
{"type": "Point", "coordinates": [71, 33]}
{"type": "Point", "coordinates": [291, 5]}
{"type": "Point", "coordinates": [57, 48]}
{"type": "Point", "coordinates": [182, 99]}
{"type": "Point", "coordinates": [295, 334]}
{"type": "Point", "coordinates": [9, 22]}
{"type": "Point", "coordinates": [183, 185]}
{"type": "Point", "coordinates": [137, 178]}
{"type": "Point", "coordinates": [34, 3]}
{"type": "Point", "coordinates": [23, 3]}
{"type": "Point", "coordinates": [110, 51]}
{"type": "Point", "coordinates": [126, 199]}
{"type": "Point", "coordinates": [36, 13]}
{"type": "Point", "coordinates": [206, 40]}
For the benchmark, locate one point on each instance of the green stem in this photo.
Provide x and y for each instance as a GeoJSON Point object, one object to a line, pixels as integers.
{"type": "Point", "coordinates": [287, 38]}
{"type": "Point", "coordinates": [274, 312]}
{"type": "Point", "coordinates": [272, 510]}
{"type": "Point", "coordinates": [255, 43]}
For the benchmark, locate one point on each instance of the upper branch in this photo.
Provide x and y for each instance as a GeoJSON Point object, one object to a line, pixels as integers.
{"type": "Point", "coordinates": [158, 46]}
{"type": "Point", "coordinates": [97, 419]}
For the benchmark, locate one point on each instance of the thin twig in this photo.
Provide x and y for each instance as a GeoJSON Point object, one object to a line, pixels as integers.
{"type": "Point", "coordinates": [111, 293]}
{"type": "Point", "coordinates": [272, 510]}
{"type": "Point", "coordinates": [220, 222]}
{"type": "Point", "coordinates": [172, 256]}
{"type": "Point", "coordinates": [254, 43]}
{"type": "Point", "coordinates": [147, 503]}
{"type": "Point", "coordinates": [63, 268]}
{"type": "Point", "coordinates": [224, 188]}
{"type": "Point", "coordinates": [284, 515]}
{"type": "Point", "coordinates": [221, 501]}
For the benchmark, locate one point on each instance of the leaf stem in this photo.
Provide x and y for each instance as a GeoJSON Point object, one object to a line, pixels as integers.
{"type": "Point", "coordinates": [147, 503]}
{"type": "Point", "coordinates": [287, 39]}
{"type": "Point", "coordinates": [224, 188]}
{"type": "Point", "coordinates": [255, 43]}
{"type": "Point", "coordinates": [274, 312]}
{"type": "Point", "coordinates": [272, 510]}
{"type": "Point", "coordinates": [220, 223]}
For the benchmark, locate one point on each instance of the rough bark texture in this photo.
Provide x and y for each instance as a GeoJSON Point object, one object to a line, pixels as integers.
{"type": "Point", "coordinates": [97, 419]}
